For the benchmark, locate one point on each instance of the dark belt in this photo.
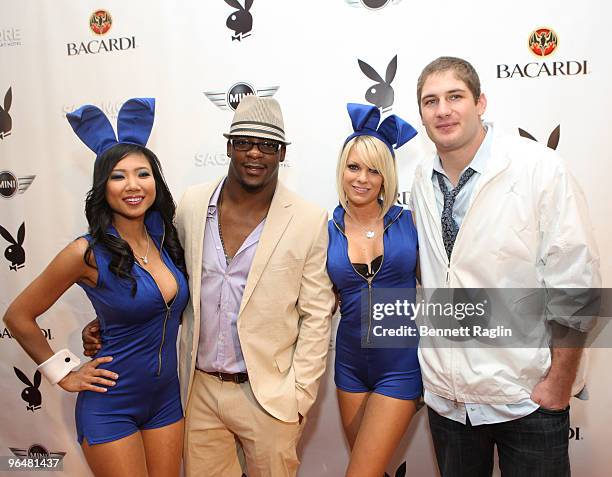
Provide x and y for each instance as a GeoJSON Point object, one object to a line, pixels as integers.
{"type": "Point", "coordinates": [237, 378]}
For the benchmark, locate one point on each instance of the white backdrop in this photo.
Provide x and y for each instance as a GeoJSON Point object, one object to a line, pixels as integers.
{"type": "Point", "coordinates": [178, 51]}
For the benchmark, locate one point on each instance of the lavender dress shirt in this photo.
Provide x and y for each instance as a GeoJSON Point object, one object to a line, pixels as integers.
{"type": "Point", "coordinates": [221, 294]}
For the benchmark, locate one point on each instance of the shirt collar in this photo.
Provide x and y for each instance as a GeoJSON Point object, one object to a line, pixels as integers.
{"type": "Point", "coordinates": [480, 159]}
{"type": "Point", "coordinates": [214, 198]}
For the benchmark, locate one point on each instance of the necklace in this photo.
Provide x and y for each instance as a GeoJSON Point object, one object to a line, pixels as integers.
{"type": "Point", "coordinates": [368, 232]}
{"type": "Point", "coordinates": [228, 259]}
{"type": "Point", "coordinates": [145, 257]}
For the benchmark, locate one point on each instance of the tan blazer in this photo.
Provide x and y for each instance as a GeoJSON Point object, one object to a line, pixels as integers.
{"type": "Point", "coordinates": [285, 314]}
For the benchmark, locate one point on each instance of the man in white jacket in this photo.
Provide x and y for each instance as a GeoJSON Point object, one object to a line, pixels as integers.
{"type": "Point", "coordinates": [497, 211]}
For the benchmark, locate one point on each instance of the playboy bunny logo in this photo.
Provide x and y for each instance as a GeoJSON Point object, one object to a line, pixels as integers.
{"type": "Point", "coordinates": [14, 253]}
{"type": "Point", "coordinates": [241, 21]}
{"type": "Point", "coordinates": [400, 472]}
{"type": "Point", "coordinates": [6, 123]}
{"type": "Point", "coordinates": [31, 394]}
{"type": "Point", "coordinates": [380, 94]}
{"type": "Point", "coordinates": [553, 139]}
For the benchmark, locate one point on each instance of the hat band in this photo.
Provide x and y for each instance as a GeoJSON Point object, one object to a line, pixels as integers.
{"type": "Point", "coordinates": [267, 125]}
{"type": "Point", "coordinates": [234, 130]}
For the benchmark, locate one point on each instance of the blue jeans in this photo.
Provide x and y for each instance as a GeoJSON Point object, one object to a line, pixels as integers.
{"type": "Point", "coordinates": [533, 446]}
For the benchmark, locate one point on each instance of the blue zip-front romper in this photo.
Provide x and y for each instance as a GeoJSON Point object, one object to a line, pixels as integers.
{"type": "Point", "coordinates": [392, 372]}
{"type": "Point", "coordinates": [140, 334]}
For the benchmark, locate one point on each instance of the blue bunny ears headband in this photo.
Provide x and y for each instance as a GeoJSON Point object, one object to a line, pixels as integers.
{"type": "Point", "coordinates": [134, 124]}
{"type": "Point", "coordinates": [392, 131]}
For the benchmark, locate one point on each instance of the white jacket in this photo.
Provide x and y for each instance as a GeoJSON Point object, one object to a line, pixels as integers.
{"type": "Point", "coordinates": [527, 226]}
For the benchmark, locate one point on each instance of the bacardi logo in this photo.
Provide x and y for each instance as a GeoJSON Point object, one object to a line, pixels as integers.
{"type": "Point", "coordinates": [575, 434]}
{"type": "Point", "coordinates": [6, 122]}
{"type": "Point", "coordinates": [403, 198]}
{"type": "Point", "coordinates": [372, 4]}
{"type": "Point", "coordinates": [231, 98]}
{"type": "Point", "coordinates": [553, 138]}
{"type": "Point", "coordinates": [6, 334]}
{"type": "Point", "coordinates": [15, 252]}
{"type": "Point", "coordinates": [10, 184]}
{"type": "Point", "coordinates": [381, 93]}
{"type": "Point", "coordinates": [31, 394]}
{"type": "Point", "coordinates": [241, 20]}
{"type": "Point", "coordinates": [100, 22]}
{"type": "Point", "coordinates": [543, 41]}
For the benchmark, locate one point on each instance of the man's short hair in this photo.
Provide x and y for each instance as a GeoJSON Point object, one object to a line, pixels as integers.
{"type": "Point", "coordinates": [462, 69]}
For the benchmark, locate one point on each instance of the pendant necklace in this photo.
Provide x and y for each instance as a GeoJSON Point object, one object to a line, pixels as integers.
{"type": "Point", "coordinates": [369, 233]}
{"type": "Point", "coordinates": [228, 259]}
{"type": "Point", "coordinates": [145, 257]}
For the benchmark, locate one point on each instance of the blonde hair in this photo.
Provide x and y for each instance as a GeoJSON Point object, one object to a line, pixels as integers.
{"type": "Point", "coordinates": [375, 155]}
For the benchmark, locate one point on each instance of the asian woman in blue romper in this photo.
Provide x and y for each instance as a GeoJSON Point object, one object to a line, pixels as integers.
{"type": "Point", "coordinates": [372, 244]}
{"type": "Point", "coordinates": [128, 413]}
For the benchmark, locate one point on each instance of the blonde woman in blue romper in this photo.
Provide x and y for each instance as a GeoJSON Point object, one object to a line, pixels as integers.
{"type": "Point", "coordinates": [372, 245]}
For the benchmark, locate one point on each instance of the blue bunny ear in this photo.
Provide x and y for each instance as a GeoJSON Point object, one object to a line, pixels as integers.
{"type": "Point", "coordinates": [363, 116]}
{"type": "Point", "coordinates": [135, 121]}
{"type": "Point", "coordinates": [93, 128]}
{"type": "Point", "coordinates": [396, 131]}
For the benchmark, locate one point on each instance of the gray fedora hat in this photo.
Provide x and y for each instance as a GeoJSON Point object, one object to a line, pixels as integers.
{"type": "Point", "coordinates": [258, 117]}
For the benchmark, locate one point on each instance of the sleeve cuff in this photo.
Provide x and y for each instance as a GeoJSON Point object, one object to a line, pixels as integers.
{"type": "Point", "coordinates": [59, 365]}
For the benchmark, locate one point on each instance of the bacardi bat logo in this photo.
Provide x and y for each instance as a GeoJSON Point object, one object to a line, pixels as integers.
{"type": "Point", "coordinates": [543, 41]}
{"type": "Point", "coordinates": [100, 22]}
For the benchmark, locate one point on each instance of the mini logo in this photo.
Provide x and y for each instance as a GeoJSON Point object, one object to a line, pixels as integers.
{"type": "Point", "coordinates": [240, 21]}
{"type": "Point", "coordinates": [371, 4]}
{"type": "Point", "coordinates": [381, 93]}
{"type": "Point", "coordinates": [553, 139]}
{"type": "Point", "coordinates": [31, 395]}
{"type": "Point", "coordinates": [36, 451]}
{"type": "Point", "coordinates": [14, 253]}
{"type": "Point", "coordinates": [400, 472]}
{"type": "Point", "coordinates": [100, 22]}
{"type": "Point", "coordinates": [10, 37]}
{"type": "Point", "coordinates": [10, 184]}
{"type": "Point", "coordinates": [543, 41]}
{"type": "Point", "coordinates": [6, 123]}
{"type": "Point", "coordinates": [230, 99]}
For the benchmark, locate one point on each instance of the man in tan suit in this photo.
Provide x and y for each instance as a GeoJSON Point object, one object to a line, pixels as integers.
{"type": "Point", "coordinates": [255, 334]}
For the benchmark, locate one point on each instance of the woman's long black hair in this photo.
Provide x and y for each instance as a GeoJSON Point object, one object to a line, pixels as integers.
{"type": "Point", "coordinates": [99, 214]}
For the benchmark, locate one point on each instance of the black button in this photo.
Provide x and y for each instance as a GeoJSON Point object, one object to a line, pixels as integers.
{"type": "Point", "coordinates": [67, 360]}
